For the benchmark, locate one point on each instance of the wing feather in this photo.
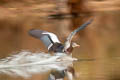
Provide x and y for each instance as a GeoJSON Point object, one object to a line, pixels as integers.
{"type": "Point", "coordinates": [69, 38]}
{"type": "Point", "coordinates": [47, 38]}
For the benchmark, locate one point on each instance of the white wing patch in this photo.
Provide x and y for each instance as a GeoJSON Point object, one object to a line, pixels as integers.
{"type": "Point", "coordinates": [50, 46]}
{"type": "Point", "coordinates": [53, 37]}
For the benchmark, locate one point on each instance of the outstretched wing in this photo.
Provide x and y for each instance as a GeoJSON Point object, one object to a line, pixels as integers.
{"type": "Point", "coordinates": [46, 37]}
{"type": "Point", "coordinates": [69, 38]}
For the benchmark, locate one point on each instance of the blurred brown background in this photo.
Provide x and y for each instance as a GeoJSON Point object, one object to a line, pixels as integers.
{"type": "Point", "coordinates": [99, 41]}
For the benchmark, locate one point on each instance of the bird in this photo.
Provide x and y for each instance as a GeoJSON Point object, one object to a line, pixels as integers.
{"type": "Point", "coordinates": [54, 45]}
{"type": "Point", "coordinates": [52, 42]}
{"type": "Point", "coordinates": [60, 74]}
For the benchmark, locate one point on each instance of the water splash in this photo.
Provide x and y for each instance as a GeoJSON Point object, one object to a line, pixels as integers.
{"type": "Point", "coordinates": [26, 63]}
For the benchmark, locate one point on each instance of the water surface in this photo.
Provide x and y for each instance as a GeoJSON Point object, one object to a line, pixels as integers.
{"type": "Point", "coordinates": [99, 41]}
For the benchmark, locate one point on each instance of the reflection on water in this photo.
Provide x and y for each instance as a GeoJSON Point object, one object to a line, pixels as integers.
{"type": "Point", "coordinates": [99, 41]}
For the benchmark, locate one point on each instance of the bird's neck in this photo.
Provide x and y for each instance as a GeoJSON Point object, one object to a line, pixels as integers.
{"type": "Point", "coordinates": [69, 50]}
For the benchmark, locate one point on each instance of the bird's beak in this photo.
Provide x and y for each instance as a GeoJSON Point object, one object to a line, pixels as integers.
{"type": "Point", "coordinates": [76, 45]}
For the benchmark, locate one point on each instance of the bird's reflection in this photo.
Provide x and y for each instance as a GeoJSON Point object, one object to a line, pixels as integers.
{"type": "Point", "coordinates": [60, 74]}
